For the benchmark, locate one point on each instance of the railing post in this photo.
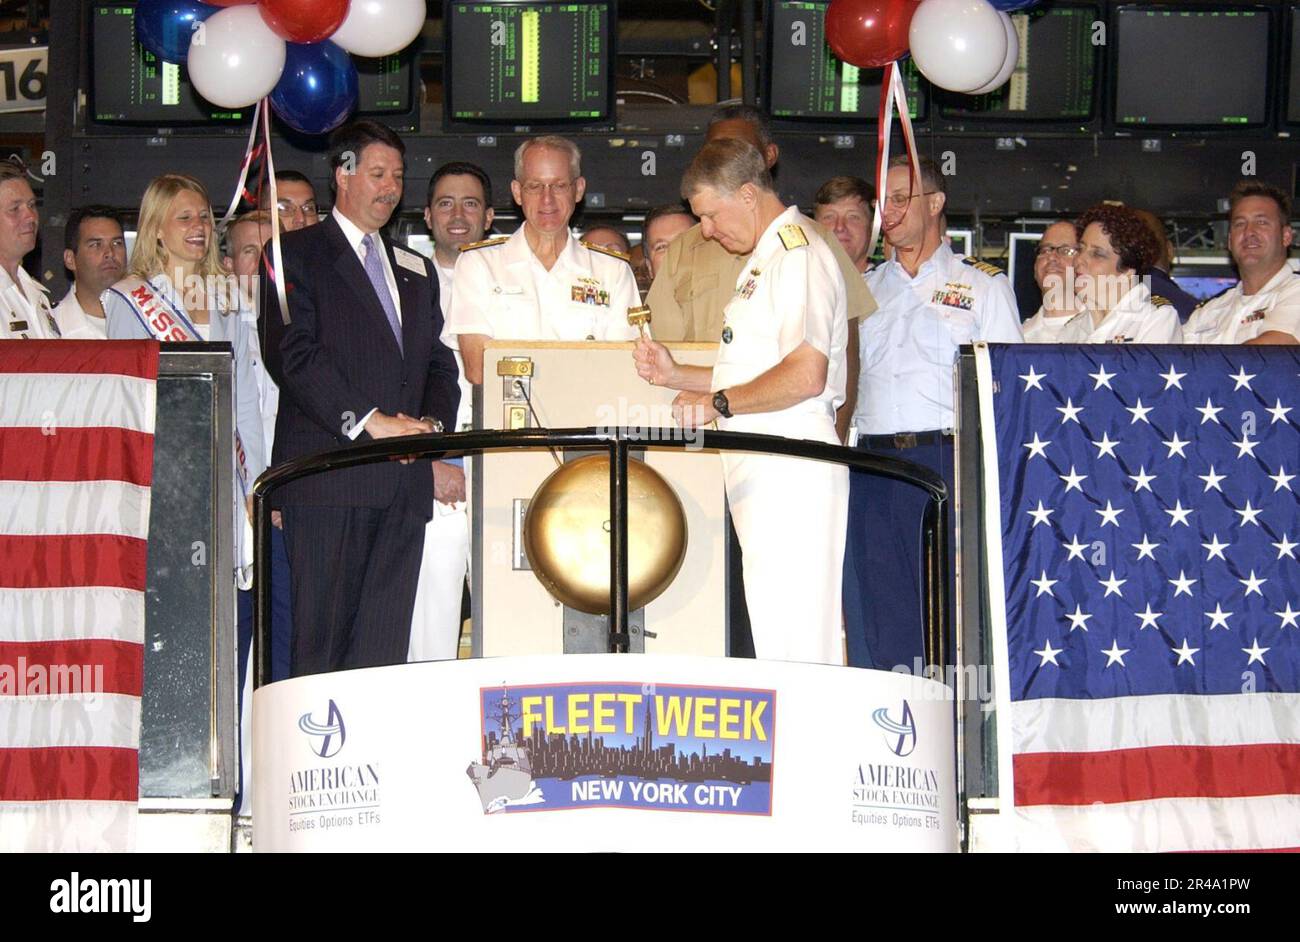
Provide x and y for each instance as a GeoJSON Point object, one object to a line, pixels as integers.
{"type": "Point", "coordinates": [619, 639]}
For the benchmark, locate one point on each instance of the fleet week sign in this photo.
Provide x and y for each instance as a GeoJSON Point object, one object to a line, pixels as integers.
{"type": "Point", "coordinates": [627, 746]}
{"type": "Point", "coordinates": [625, 752]}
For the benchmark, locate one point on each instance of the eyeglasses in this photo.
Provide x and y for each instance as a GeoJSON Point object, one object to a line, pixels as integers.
{"type": "Point", "coordinates": [559, 190]}
{"type": "Point", "coordinates": [900, 200]}
{"type": "Point", "coordinates": [1063, 251]}
{"type": "Point", "coordinates": [289, 208]}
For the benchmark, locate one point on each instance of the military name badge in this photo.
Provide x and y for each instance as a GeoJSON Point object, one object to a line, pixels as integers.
{"type": "Point", "coordinates": [1255, 316]}
{"type": "Point", "coordinates": [746, 290]}
{"type": "Point", "coordinates": [954, 294]}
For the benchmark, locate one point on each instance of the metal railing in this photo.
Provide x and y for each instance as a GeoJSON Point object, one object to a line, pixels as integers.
{"type": "Point", "coordinates": [618, 442]}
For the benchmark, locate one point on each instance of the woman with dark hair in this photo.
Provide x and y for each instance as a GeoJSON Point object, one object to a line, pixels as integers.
{"type": "Point", "coordinates": [1115, 300]}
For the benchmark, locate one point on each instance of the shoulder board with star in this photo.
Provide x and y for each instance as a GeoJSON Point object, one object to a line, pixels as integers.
{"type": "Point", "coordinates": [604, 251]}
{"type": "Point", "coordinates": [1159, 301]}
{"type": "Point", "coordinates": [792, 236]}
{"type": "Point", "coordinates": [985, 267]}
{"type": "Point", "coordinates": [471, 246]}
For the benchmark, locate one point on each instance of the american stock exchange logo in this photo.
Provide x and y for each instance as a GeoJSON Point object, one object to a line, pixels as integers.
{"type": "Point", "coordinates": [900, 734]}
{"type": "Point", "coordinates": [326, 738]}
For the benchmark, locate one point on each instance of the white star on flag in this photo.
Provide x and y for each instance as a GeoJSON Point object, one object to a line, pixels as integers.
{"type": "Point", "coordinates": [1182, 585]}
{"type": "Point", "coordinates": [1078, 618]}
{"type": "Point", "coordinates": [1069, 412]}
{"type": "Point", "coordinates": [1209, 412]}
{"type": "Point", "coordinates": [1278, 412]}
{"type": "Point", "coordinates": [1215, 548]}
{"type": "Point", "coordinates": [1218, 617]}
{"type": "Point", "coordinates": [1139, 412]}
{"type": "Point", "coordinates": [1102, 377]}
{"type": "Point", "coordinates": [1288, 617]}
{"type": "Point", "coordinates": [1073, 480]}
{"type": "Point", "coordinates": [1148, 618]}
{"type": "Point", "coordinates": [1032, 379]}
{"type": "Point", "coordinates": [1115, 654]}
{"type": "Point", "coordinates": [1242, 379]}
{"type": "Point", "coordinates": [1037, 448]}
{"type": "Point", "coordinates": [1281, 479]}
{"type": "Point", "coordinates": [1110, 514]}
{"type": "Point", "coordinates": [1075, 548]}
{"type": "Point", "coordinates": [1252, 584]}
{"type": "Point", "coordinates": [1041, 514]}
{"type": "Point", "coordinates": [1178, 514]}
{"type": "Point", "coordinates": [1172, 378]}
{"type": "Point", "coordinates": [1212, 480]}
{"type": "Point", "coordinates": [1044, 585]}
{"type": "Point", "coordinates": [1286, 547]}
{"type": "Point", "coordinates": [1146, 549]}
{"type": "Point", "coordinates": [1256, 652]}
{"type": "Point", "coordinates": [1175, 446]}
{"type": "Point", "coordinates": [1186, 654]}
{"type": "Point", "coordinates": [1245, 446]}
{"type": "Point", "coordinates": [1112, 585]}
{"type": "Point", "coordinates": [1248, 514]}
{"type": "Point", "coordinates": [1105, 446]}
{"type": "Point", "coordinates": [1142, 480]}
{"type": "Point", "coordinates": [1048, 654]}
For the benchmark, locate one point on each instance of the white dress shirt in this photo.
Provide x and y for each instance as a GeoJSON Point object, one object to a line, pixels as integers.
{"type": "Point", "coordinates": [1235, 317]}
{"type": "Point", "coordinates": [1135, 319]}
{"type": "Point", "coordinates": [74, 323]}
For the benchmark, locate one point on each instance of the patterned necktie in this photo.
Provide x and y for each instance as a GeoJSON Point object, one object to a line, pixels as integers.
{"type": "Point", "coordinates": [375, 272]}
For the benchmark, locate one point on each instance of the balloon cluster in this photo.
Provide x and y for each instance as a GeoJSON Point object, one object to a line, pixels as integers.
{"type": "Point", "coordinates": [966, 46]}
{"type": "Point", "coordinates": [295, 51]}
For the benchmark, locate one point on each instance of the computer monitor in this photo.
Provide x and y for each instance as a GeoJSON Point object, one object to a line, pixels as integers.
{"type": "Point", "coordinates": [520, 63]}
{"type": "Point", "coordinates": [130, 85]}
{"type": "Point", "coordinates": [420, 242]}
{"type": "Point", "coordinates": [1161, 56]}
{"type": "Point", "coordinates": [1056, 77]}
{"type": "Point", "coordinates": [1203, 276]}
{"type": "Point", "coordinates": [803, 81]}
{"type": "Point", "coordinates": [961, 241]}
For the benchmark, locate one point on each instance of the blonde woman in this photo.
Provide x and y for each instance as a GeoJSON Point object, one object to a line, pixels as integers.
{"type": "Point", "coordinates": [176, 290]}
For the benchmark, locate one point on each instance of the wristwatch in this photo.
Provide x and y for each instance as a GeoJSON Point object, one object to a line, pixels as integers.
{"type": "Point", "coordinates": [436, 423]}
{"type": "Point", "coordinates": [721, 405]}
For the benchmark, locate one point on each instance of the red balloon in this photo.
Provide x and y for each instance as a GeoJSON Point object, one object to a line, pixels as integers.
{"type": "Point", "coordinates": [869, 33]}
{"type": "Point", "coordinates": [304, 21]}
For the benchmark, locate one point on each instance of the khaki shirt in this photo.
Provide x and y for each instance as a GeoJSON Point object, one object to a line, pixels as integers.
{"type": "Point", "coordinates": [699, 277]}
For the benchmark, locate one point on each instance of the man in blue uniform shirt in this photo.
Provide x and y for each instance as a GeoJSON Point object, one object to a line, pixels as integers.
{"type": "Point", "coordinates": [930, 303]}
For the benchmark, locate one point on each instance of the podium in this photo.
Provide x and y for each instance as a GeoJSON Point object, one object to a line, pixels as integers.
{"type": "Point", "coordinates": [571, 385]}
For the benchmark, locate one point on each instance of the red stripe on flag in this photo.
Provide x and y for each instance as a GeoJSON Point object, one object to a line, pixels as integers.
{"type": "Point", "coordinates": [54, 562]}
{"type": "Point", "coordinates": [42, 668]}
{"type": "Point", "coordinates": [77, 454]}
{"type": "Point", "coordinates": [137, 358]}
{"type": "Point", "coordinates": [1066, 778]}
{"type": "Point", "coordinates": [77, 773]}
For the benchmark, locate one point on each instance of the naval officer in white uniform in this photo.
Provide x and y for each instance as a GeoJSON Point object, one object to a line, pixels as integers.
{"type": "Point", "coordinates": [540, 283]}
{"type": "Point", "coordinates": [780, 371]}
{"type": "Point", "coordinates": [25, 312]}
{"type": "Point", "coordinates": [1264, 307]}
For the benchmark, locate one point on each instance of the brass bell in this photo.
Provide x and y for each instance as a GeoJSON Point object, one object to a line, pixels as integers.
{"type": "Point", "coordinates": [567, 534]}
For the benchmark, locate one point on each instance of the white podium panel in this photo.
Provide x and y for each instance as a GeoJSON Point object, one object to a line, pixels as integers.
{"type": "Point", "coordinates": [577, 385]}
{"type": "Point", "coordinates": [604, 752]}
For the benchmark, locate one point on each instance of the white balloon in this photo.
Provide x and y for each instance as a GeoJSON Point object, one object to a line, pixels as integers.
{"type": "Point", "coordinates": [958, 44]}
{"type": "Point", "coordinates": [1009, 64]}
{"type": "Point", "coordinates": [235, 59]}
{"type": "Point", "coordinates": [380, 27]}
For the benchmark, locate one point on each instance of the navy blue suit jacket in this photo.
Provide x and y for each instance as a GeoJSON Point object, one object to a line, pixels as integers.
{"type": "Point", "coordinates": [337, 359]}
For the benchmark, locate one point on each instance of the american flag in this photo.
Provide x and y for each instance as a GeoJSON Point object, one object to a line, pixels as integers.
{"type": "Point", "coordinates": [76, 466]}
{"type": "Point", "coordinates": [1146, 592]}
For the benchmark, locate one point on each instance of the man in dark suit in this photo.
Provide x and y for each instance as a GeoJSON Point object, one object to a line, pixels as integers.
{"type": "Point", "coordinates": [358, 359]}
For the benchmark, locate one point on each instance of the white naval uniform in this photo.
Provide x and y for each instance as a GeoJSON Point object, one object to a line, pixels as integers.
{"type": "Point", "coordinates": [25, 312]}
{"type": "Point", "coordinates": [791, 514]}
{"type": "Point", "coordinates": [74, 323]}
{"type": "Point", "coordinates": [504, 292]}
{"type": "Point", "coordinates": [909, 346]}
{"type": "Point", "coordinates": [1043, 329]}
{"type": "Point", "coordinates": [435, 620]}
{"type": "Point", "coordinates": [1137, 318]}
{"type": "Point", "coordinates": [1234, 317]}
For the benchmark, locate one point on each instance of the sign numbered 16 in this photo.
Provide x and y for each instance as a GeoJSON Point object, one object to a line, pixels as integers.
{"type": "Point", "coordinates": [22, 78]}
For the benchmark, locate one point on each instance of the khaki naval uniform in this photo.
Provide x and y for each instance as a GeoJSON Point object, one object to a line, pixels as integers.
{"type": "Point", "coordinates": [1234, 317]}
{"type": "Point", "coordinates": [694, 285]}
{"type": "Point", "coordinates": [1139, 317]}
{"type": "Point", "coordinates": [504, 292]}
{"type": "Point", "coordinates": [25, 312]}
{"type": "Point", "coordinates": [790, 514]}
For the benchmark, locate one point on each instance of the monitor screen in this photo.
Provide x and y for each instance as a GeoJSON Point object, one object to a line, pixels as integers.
{"type": "Point", "coordinates": [1163, 52]}
{"type": "Point", "coordinates": [385, 86]}
{"type": "Point", "coordinates": [1055, 77]}
{"type": "Point", "coordinates": [1293, 82]}
{"type": "Point", "coordinates": [130, 85]}
{"type": "Point", "coordinates": [1022, 247]}
{"type": "Point", "coordinates": [805, 81]}
{"type": "Point", "coordinates": [511, 63]}
{"type": "Point", "coordinates": [961, 241]}
{"type": "Point", "coordinates": [1204, 287]}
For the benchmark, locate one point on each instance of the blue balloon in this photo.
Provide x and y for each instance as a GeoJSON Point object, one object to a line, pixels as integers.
{"type": "Point", "coordinates": [1011, 6]}
{"type": "Point", "coordinates": [318, 88]}
{"type": "Point", "coordinates": [165, 27]}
